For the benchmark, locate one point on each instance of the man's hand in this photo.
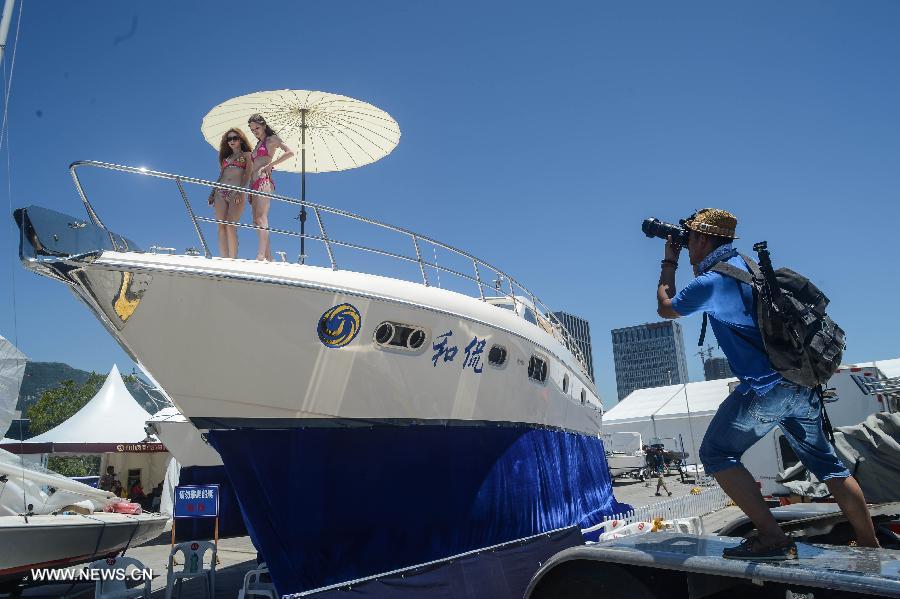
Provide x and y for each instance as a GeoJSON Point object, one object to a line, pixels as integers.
{"type": "Point", "coordinates": [666, 289]}
{"type": "Point", "coordinates": [672, 250]}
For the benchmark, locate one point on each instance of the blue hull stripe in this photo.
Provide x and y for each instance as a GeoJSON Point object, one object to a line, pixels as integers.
{"type": "Point", "coordinates": [328, 505]}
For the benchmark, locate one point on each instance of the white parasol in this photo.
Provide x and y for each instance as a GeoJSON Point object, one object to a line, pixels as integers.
{"type": "Point", "coordinates": [329, 132]}
{"type": "Point", "coordinates": [340, 133]}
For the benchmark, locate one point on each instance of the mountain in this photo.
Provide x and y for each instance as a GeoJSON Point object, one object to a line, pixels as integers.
{"type": "Point", "coordinates": [41, 376]}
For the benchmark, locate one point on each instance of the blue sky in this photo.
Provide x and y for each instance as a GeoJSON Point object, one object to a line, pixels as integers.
{"type": "Point", "coordinates": [535, 136]}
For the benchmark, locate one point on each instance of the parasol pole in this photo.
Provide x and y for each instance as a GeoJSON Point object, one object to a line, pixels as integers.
{"type": "Point", "coordinates": [303, 185]}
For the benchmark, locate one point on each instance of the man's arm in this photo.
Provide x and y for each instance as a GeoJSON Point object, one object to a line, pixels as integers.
{"type": "Point", "coordinates": [666, 289]}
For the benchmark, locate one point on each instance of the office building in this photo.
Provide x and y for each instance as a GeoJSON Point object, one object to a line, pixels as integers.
{"type": "Point", "coordinates": [649, 355]}
{"type": "Point", "coordinates": [716, 368]}
{"type": "Point", "coordinates": [581, 332]}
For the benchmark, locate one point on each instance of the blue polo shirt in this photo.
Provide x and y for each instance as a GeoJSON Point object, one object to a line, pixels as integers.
{"type": "Point", "coordinates": [729, 305]}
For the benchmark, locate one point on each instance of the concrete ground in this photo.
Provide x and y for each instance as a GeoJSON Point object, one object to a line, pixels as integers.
{"type": "Point", "coordinates": [633, 492]}
{"type": "Point", "coordinates": [237, 556]}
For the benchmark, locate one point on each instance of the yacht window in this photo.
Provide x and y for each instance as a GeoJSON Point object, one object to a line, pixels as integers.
{"type": "Point", "coordinates": [384, 333]}
{"type": "Point", "coordinates": [505, 306]}
{"type": "Point", "coordinates": [395, 335]}
{"type": "Point", "coordinates": [565, 383]}
{"type": "Point", "coordinates": [537, 369]}
{"type": "Point", "coordinates": [529, 315]}
{"type": "Point", "coordinates": [497, 355]}
{"type": "Point", "coordinates": [583, 396]}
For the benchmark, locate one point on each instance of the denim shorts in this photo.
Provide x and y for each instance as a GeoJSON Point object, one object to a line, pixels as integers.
{"type": "Point", "coordinates": [745, 418]}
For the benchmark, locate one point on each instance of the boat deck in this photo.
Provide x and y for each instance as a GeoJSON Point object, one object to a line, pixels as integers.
{"type": "Point", "coordinates": [845, 569]}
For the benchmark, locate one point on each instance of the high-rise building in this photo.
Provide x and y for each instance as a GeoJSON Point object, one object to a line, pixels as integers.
{"type": "Point", "coordinates": [581, 332]}
{"type": "Point", "coordinates": [717, 368]}
{"type": "Point", "coordinates": [649, 355]}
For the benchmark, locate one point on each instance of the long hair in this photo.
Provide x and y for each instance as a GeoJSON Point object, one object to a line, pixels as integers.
{"type": "Point", "coordinates": [258, 119]}
{"type": "Point", "coordinates": [225, 149]}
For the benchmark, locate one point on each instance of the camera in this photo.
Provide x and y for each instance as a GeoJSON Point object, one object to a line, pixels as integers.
{"type": "Point", "coordinates": [653, 227]}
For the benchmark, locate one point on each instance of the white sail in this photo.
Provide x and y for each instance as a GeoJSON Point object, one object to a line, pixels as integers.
{"type": "Point", "coordinates": [12, 369]}
{"type": "Point", "coordinates": [24, 484]}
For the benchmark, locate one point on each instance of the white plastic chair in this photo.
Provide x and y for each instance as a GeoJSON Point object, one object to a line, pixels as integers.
{"type": "Point", "coordinates": [194, 553]}
{"type": "Point", "coordinates": [118, 589]}
{"type": "Point", "coordinates": [254, 586]}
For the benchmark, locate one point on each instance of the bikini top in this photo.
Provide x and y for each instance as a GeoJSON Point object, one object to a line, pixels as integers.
{"type": "Point", "coordinates": [260, 149]}
{"type": "Point", "coordinates": [239, 163]}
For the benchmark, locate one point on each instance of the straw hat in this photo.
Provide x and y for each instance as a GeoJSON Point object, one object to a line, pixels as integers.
{"type": "Point", "coordinates": [712, 221]}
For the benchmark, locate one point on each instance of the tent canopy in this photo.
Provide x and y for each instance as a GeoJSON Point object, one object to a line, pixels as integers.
{"type": "Point", "coordinates": [112, 421]}
{"type": "Point", "coordinates": [671, 401]}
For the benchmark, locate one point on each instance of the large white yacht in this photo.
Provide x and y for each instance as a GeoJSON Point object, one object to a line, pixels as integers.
{"type": "Point", "coordinates": [367, 422]}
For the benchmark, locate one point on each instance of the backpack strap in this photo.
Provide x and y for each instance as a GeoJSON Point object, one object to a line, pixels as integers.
{"type": "Point", "coordinates": [729, 270]}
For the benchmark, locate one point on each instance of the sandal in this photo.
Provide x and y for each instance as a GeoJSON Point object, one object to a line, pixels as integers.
{"type": "Point", "coordinates": [752, 549]}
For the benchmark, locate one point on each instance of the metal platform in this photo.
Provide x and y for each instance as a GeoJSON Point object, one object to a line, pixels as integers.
{"type": "Point", "coordinates": [847, 569]}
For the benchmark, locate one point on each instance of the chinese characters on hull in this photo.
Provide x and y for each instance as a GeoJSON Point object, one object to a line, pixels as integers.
{"type": "Point", "coordinates": [473, 355]}
{"type": "Point", "coordinates": [445, 352]}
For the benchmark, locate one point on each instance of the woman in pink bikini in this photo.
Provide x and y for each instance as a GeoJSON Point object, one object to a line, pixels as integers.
{"type": "Point", "coordinates": [263, 164]}
{"type": "Point", "coordinates": [237, 168]}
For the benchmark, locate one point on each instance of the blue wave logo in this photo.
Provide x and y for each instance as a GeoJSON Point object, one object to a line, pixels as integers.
{"type": "Point", "coordinates": [339, 325]}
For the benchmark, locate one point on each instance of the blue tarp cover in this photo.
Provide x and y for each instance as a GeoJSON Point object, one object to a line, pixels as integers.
{"type": "Point", "coordinates": [328, 505]}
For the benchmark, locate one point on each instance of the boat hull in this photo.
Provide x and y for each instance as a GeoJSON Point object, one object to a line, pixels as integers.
{"type": "Point", "coordinates": [229, 343]}
{"type": "Point", "coordinates": [57, 541]}
{"type": "Point", "coordinates": [328, 505]}
{"type": "Point", "coordinates": [624, 463]}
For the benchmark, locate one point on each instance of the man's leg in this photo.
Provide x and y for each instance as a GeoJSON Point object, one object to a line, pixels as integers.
{"type": "Point", "coordinates": [743, 490]}
{"type": "Point", "coordinates": [803, 430]}
{"type": "Point", "coordinates": [850, 498]}
{"type": "Point", "coordinates": [740, 421]}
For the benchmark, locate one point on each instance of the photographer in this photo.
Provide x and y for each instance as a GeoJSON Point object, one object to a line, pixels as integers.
{"type": "Point", "coordinates": [762, 401]}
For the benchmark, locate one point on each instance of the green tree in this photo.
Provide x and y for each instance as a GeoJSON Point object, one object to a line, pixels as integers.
{"type": "Point", "coordinates": [75, 465]}
{"type": "Point", "coordinates": [62, 402]}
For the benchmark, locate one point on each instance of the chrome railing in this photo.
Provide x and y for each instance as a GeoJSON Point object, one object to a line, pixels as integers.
{"type": "Point", "coordinates": [514, 290]}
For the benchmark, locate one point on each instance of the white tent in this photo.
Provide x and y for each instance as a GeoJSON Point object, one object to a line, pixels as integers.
{"type": "Point", "coordinates": [663, 413]}
{"type": "Point", "coordinates": [685, 411]}
{"type": "Point", "coordinates": [110, 424]}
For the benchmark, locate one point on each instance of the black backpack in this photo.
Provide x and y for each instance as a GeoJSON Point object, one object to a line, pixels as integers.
{"type": "Point", "coordinates": [802, 342]}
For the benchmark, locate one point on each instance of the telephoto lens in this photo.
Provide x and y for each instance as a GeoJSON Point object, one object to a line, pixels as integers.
{"type": "Point", "coordinates": [653, 227]}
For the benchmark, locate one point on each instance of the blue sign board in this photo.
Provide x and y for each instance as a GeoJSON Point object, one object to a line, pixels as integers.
{"type": "Point", "coordinates": [197, 501]}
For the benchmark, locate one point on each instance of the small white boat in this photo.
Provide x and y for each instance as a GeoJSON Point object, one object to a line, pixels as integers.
{"type": "Point", "coordinates": [624, 452]}
{"type": "Point", "coordinates": [49, 541]}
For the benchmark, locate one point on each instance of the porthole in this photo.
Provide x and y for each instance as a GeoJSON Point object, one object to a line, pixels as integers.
{"type": "Point", "coordinates": [565, 383]}
{"type": "Point", "coordinates": [537, 369]}
{"type": "Point", "coordinates": [384, 333]}
{"type": "Point", "coordinates": [583, 397]}
{"type": "Point", "coordinates": [404, 337]}
{"type": "Point", "coordinates": [497, 355]}
{"type": "Point", "coordinates": [416, 339]}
